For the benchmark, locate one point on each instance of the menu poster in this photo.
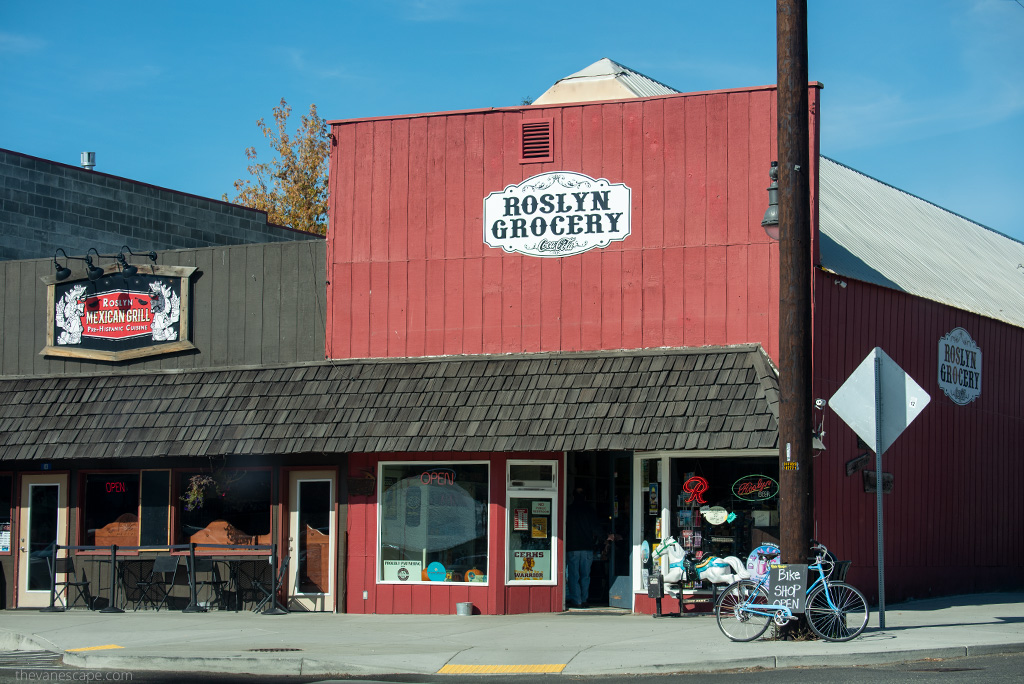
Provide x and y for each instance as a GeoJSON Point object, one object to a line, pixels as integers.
{"type": "Point", "coordinates": [521, 520]}
{"type": "Point", "coordinates": [5, 537]}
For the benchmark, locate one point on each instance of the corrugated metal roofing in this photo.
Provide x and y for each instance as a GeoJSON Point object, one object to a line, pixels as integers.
{"type": "Point", "coordinates": [606, 69]}
{"type": "Point", "coordinates": [707, 398]}
{"type": "Point", "coordinates": [879, 234]}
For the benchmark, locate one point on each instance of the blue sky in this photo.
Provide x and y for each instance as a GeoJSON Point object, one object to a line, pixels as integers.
{"type": "Point", "coordinates": [926, 95]}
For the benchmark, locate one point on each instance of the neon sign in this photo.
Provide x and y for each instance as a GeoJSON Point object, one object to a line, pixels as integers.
{"type": "Point", "coordinates": [755, 488]}
{"type": "Point", "coordinates": [438, 476]}
{"type": "Point", "coordinates": [695, 486]}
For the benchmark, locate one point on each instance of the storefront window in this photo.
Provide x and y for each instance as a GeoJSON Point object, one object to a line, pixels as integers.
{"type": "Point", "coordinates": [6, 482]}
{"type": "Point", "coordinates": [111, 512]}
{"type": "Point", "coordinates": [234, 510]}
{"type": "Point", "coordinates": [531, 528]}
{"type": "Point", "coordinates": [712, 506]}
{"type": "Point", "coordinates": [433, 522]}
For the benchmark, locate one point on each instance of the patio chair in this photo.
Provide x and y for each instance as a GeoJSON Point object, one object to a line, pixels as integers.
{"type": "Point", "coordinates": [213, 581]}
{"type": "Point", "coordinates": [266, 588]}
{"type": "Point", "coordinates": [156, 588]}
{"type": "Point", "coordinates": [70, 589]}
{"type": "Point", "coordinates": [249, 576]}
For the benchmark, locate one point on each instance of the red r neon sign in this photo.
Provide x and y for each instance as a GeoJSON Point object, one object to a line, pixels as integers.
{"type": "Point", "coordinates": [695, 486]}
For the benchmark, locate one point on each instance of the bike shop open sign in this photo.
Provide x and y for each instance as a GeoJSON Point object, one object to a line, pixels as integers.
{"type": "Point", "coordinates": [788, 586]}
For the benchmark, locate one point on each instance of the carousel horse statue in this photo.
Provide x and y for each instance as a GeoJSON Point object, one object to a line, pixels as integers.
{"type": "Point", "coordinates": [684, 567]}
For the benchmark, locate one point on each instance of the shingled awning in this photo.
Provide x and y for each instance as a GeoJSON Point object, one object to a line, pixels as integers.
{"type": "Point", "coordinates": [665, 399]}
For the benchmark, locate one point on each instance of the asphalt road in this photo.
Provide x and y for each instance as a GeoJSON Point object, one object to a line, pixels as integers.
{"type": "Point", "coordinates": [39, 667]}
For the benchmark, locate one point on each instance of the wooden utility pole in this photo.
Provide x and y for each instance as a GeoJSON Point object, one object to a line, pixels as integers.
{"type": "Point", "coordinates": [795, 425]}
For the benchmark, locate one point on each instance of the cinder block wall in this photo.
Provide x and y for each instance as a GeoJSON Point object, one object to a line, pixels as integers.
{"type": "Point", "coordinates": [45, 205]}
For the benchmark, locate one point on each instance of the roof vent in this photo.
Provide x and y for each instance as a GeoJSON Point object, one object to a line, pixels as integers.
{"type": "Point", "coordinates": [88, 160]}
{"type": "Point", "coordinates": [537, 141]}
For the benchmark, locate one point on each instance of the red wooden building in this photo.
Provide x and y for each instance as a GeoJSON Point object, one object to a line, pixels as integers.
{"type": "Point", "coordinates": [452, 236]}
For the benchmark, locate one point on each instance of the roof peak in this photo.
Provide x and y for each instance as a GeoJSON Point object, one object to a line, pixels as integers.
{"type": "Point", "coordinates": [605, 79]}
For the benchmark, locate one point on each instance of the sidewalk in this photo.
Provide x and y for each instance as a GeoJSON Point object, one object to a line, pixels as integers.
{"type": "Point", "coordinates": [581, 642]}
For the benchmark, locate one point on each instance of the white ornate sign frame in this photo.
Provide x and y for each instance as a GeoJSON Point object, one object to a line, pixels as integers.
{"type": "Point", "coordinates": [557, 214]}
{"type": "Point", "coordinates": [959, 372]}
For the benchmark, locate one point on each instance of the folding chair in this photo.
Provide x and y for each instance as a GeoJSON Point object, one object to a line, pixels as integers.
{"type": "Point", "coordinates": [71, 582]}
{"type": "Point", "coordinates": [156, 588]}
{"type": "Point", "coordinates": [266, 588]}
{"type": "Point", "coordinates": [250, 575]}
{"type": "Point", "coordinates": [208, 567]}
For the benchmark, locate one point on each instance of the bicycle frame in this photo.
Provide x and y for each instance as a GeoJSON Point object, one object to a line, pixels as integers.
{"type": "Point", "coordinates": [782, 613]}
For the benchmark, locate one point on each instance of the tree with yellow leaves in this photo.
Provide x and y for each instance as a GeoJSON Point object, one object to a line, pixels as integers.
{"type": "Point", "coordinates": [292, 187]}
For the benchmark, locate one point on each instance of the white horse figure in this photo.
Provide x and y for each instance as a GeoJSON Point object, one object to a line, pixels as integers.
{"type": "Point", "coordinates": [676, 572]}
{"type": "Point", "coordinates": [683, 567]}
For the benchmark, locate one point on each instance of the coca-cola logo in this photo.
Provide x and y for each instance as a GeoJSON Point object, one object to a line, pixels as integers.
{"type": "Point", "coordinates": [559, 213]}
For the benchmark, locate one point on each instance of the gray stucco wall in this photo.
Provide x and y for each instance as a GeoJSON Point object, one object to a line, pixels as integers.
{"type": "Point", "coordinates": [45, 205]}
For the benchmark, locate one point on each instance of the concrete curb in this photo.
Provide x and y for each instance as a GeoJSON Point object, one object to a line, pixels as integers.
{"type": "Point", "coordinates": [13, 641]}
{"type": "Point", "coordinates": [275, 664]}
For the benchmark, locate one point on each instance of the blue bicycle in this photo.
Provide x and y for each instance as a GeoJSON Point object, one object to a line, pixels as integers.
{"type": "Point", "coordinates": [835, 610]}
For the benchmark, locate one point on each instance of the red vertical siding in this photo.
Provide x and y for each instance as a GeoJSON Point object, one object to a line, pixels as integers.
{"type": "Point", "coordinates": [950, 522]}
{"type": "Point", "coordinates": [410, 275]}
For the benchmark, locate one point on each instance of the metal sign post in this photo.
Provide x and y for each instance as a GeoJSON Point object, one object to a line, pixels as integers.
{"type": "Point", "coordinates": [878, 491]}
{"type": "Point", "coordinates": [878, 401]}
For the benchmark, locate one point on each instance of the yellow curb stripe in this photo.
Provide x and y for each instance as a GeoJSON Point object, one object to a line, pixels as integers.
{"type": "Point", "coordinates": [94, 648]}
{"type": "Point", "coordinates": [500, 669]}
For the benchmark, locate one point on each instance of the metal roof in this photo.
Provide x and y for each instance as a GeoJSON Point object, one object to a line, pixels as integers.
{"type": "Point", "coordinates": [879, 234]}
{"type": "Point", "coordinates": [715, 398]}
{"type": "Point", "coordinates": [587, 84]}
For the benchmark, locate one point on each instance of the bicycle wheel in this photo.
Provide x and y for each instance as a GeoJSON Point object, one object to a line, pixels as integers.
{"type": "Point", "coordinates": [841, 619]}
{"type": "Point", "coordinates": [735, 611]}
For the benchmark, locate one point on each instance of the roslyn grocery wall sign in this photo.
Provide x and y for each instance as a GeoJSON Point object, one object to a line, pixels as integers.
{"type": "Point", "coordinates": [557, 214]}
{"type": "Point", "coordinates": [118, 317]}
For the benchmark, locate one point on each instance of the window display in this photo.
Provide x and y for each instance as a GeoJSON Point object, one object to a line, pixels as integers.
{"type": "Point", "coordinates": [235, 509]}
{"type": "Point", "coordinates": [531, 528]}
{"type": "Point", "coordinates": [433, 522]}
{"type": "Point", "coordinates": [713, 506]}
{"type": "Point", "coordinates": [111, 511]}
{"type": "Point", "coordinates": [5, 513]}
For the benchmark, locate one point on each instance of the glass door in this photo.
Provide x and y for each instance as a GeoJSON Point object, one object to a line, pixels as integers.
{"type": "Point", "coordinates": [311, 541]}
{"type": "Point", "coordinates": [42, 523]}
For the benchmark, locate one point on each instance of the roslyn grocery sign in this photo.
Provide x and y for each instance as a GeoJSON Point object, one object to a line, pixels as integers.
{"type": "Point", "coordinates": [557, 214]}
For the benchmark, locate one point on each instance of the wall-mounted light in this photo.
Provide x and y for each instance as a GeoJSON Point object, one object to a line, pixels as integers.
{"type": "Point", "coordinates": [130, 269]}
{"type": "Point", "coordinates": [63, 272]}
{"type": "Point", "coordinates": [841, 283]}
{"type": "Point", "coordinates": [95, 272]}
{"type": "Point", "coordinates": [771, 214]}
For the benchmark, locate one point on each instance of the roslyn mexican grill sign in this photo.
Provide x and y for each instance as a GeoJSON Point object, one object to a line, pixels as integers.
{"type": "Point", "coordinates": [116, 317]}
{"type": "Point", "coordinates": [557, 214]}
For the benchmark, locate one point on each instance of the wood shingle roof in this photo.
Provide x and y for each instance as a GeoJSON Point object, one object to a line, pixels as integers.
{"type": "Point", "coordinates": [664, 399]}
